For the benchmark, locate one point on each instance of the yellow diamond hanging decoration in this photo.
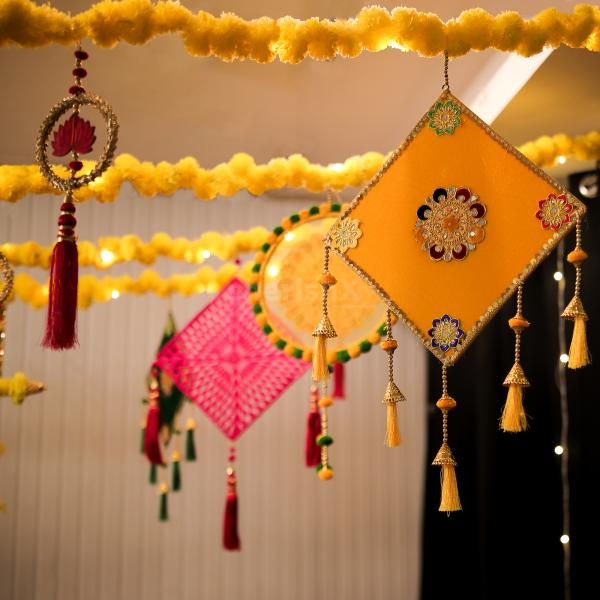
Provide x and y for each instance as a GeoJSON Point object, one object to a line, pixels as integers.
{"type": "Point", "coordinates": [449, 226]}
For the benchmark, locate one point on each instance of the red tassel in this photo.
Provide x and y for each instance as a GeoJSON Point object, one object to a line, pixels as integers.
{"type": "Point", "coordinates": [339, 388]}
{"type": "Point", "coordinates": [151, 435]}
{"type": "Point", "coordinates": [231, 538]}
{"type": "Point", "coordinates": [313, 429]}
{"type": "Point", "coordinates": [61, 333]}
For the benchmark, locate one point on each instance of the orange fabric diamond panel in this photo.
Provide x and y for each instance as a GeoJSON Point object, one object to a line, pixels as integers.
{"type": "Point", "coordinates": [452, 222]}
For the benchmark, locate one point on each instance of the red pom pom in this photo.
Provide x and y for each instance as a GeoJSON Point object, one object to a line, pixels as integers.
{"type": "Point", "coordinates": [76, 89]}
{"type": "Point", "coordinates": [76, 165]}
{"type": "Point", "coordinates": [81, 55]}
{"type": "Point", "coordinates": [68, 207]}
{"type": "Point", "coordinates": [79, 72]}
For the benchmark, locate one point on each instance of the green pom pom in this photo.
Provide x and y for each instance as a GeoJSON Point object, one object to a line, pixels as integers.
{"type": "Point", "coordinates": [314, 210]}
{"type": "Point", "coordinates": [324, 440]}
{"type": "Point", "coordinates": [257, 309]}
{"type": "Point", "coordinates": [298, 352]}
{"type": "Point", "coordinates": [336, 207]}
{"type": "Point", "coordinates": [265, 247]}
{"type": "Point", "coordinates": [281, 344]}
{"type": "Point", "coordinates": [365, 346]}
{"type": "Point", "coordinates": [294, 218]}
{"type": "Point", "coordinates": [254, 287]}
{"type": "Point", "coordinates": [278, 230]}
{"type": "Point", "coordinates": [256, 267]}
{"type": "Point", "coordinates": [382, 330]}
{"type": "Point", "coordinates": [343, 356]}
{"type": "Point", "coordinates": [267, 329]}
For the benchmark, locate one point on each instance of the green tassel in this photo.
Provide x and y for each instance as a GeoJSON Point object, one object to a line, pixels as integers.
{"type": "Point", "coordinates": [176, 483]}
{"type": "Point", "coordinates": [190, 445]}
{"type": "Point", "coordinates": [163, 514]}
{"type": "Point", "coordinates": [152, 477]}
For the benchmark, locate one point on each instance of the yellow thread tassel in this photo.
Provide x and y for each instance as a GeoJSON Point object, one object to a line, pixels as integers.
{"type": "Point", "coordinates": [450, 501]}
{"type": "Point", "coordinates": [392, 433]}
{"type": "Point", "coordinates": [320, 371]}
{"type": "Point", "coordinates": [514, 418]}
{"type": "Point", "coordinates": [579, 355]}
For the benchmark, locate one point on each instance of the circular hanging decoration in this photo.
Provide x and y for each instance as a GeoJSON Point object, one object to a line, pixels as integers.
{"type": "Point", "coordinates": [75, 135]}
{"type": "Point", "coordinates": [286, 294]}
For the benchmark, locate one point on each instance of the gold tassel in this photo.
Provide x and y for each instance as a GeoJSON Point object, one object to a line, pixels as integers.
{"type": "Point", "coordinates": [324, 329]}
{"type": "Point", "coordinates": [579, 355]}
{"type": "Point", "coordinates": [514, 418]}
{"type": "Point", "coordinates": [450, 499]}
{"type": "Point", "coordinates": [392, 394]}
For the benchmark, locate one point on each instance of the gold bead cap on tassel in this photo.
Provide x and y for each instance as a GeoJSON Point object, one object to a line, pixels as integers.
{"type": "Point", "coordinates": [324, 328]}
{"type": "Point", "coordinates": [516, 376]}
{"type": "Point", "coordinates": [574, 310]}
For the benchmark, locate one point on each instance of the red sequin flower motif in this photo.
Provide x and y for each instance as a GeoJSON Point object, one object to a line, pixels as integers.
{"type": "Point", "coordinates": [554, 211]}
{"type": "Point", "coordinates": [74, 135]}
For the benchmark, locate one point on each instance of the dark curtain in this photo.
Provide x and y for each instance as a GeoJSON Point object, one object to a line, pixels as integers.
{"type": "Point", "coordinates": [505, 544]}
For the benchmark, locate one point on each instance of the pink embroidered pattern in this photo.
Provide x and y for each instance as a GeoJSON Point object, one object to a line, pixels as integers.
{"type": "Point", "coordinates": [224, 363]}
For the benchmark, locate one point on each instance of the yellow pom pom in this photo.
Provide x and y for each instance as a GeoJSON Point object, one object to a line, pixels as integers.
{"type": "Point", "coordinates": [325, 474]}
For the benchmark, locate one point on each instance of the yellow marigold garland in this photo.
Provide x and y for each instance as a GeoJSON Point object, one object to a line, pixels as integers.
{"type": "Point", "coordinates": [229, 37]}
{"type": "Point", "coordinates": [242, 173]}
{"type": "Point", "coordinates": [93, 289]}
{"type": "Point", "coordinates": [112, 250]}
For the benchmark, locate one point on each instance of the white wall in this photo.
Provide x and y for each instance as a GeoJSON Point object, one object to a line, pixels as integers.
{"type": "Point", "coordinates": [81, 520]}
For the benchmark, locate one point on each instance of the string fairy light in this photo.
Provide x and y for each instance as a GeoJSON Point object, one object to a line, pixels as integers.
{"type": "Point", "coordinates": [562, 449]}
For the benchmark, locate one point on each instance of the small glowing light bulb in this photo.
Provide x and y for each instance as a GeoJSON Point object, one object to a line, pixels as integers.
{"type": "Point", "coordinates": [561, 160]}
{"type": "Point", "coordinates": [272, 270]}
{"type": "Point", "coordinates": [558, 450]}
{"type": "Point", "coordinates": [564, 539]}
{"type": "Point", "coordinates": [114, 294]}
{"type": "Point", "coordinates": [106, 256]}
{"type": "Point", "coordinates": [558, 276]}
{"type": "Point", "coordinates": [337, 167]}
{"type": "Point", "coordinates": [205, 254]}
{"type": "Point", "coordinates": [288, 236]}
{"type": "Point", "coordinates": [564, 358]}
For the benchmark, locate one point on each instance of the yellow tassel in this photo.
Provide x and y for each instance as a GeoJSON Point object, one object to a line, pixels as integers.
{"type": "Point", "coordinates": [514, 418]}
{"type": "Point", "coordinates": [450, 501]}
{"type": "Point", "coordinates": [579, 355]}
{"type": "Point", "coordinates": [320, 371]}
{"type": "Point", "coordinates": [392, 433]}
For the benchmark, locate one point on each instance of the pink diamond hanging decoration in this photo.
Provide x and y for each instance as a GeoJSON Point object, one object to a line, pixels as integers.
{"type": "Point", "coordinates": [224, 363]}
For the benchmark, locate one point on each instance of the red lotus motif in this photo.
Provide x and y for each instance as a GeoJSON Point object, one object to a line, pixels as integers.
{"type": "Point", "coordinates": [75, 134]}
{"type": "Point", "coordinates": [554, 211]}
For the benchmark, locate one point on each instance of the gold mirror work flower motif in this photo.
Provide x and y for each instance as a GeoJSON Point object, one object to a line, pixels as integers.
{"type": "Point", "coordinates": [344, 234]}
{"type": "Point", "coordinates": [444, 117]}
{"type": "Point", "coordinates": [450, 224]}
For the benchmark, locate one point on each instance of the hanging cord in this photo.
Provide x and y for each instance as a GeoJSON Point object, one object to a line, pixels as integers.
{"type": "Point", "coordinates": [446, 86]}
{"type": "Point", "coordinates": [561, 381]}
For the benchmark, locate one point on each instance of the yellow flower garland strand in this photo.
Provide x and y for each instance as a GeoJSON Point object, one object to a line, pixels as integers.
{"type": "Point", "coordinates": [242, 173]}
{"type": "Point", "coordinates": [229, 37]}
{"type": "Point", "coordinates": [92, 289]}
{"type": "Point", "coordinates": [112, 250]}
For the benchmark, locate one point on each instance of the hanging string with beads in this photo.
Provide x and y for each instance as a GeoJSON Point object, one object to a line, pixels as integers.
{"type": "Point", "coordinates": [324, 329]}
{"type": "Point", "coordinates": [450, 500]}
{"type": "Point", "coordinates": [61, 323]}
{"type": "Point", "coordinates": [579, 355]}
{"type": "Point", "coordinates": [324, 440]}
{"type": "Point", "coordinates": [446, 86]}
{"type": "Point", "coordinates": [392, 395]}
{"type": "Point", "coordinates": [514, 418]}
{"type": "Point", "coordinates": [231, 537]}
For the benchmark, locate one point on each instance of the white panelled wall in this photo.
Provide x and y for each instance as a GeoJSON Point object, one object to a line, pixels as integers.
{"type": "Point", "coordinates": [81, 520]}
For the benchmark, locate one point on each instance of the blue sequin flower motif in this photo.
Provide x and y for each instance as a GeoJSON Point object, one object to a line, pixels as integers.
{"type": "Point", "coordinates": [446, 333]}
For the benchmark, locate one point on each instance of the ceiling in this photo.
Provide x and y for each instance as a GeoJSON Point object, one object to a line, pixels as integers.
{"type": "Point", "coordinates": [172, 105]}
